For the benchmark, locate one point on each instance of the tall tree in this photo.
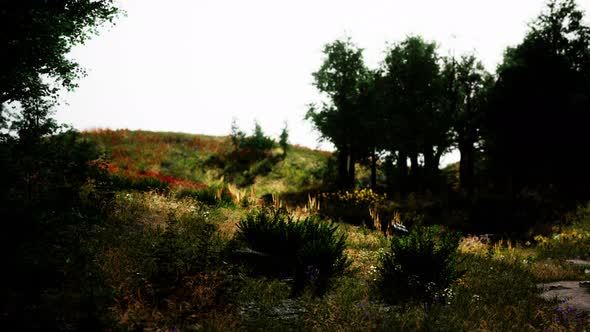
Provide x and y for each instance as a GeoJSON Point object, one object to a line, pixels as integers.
{"type": "Point", "coordinates": [466, 85]}
{"type": "Point", "coordinates": [371, 143]}
{"type": "Point", "coordinates": [541, 103]}
{"type": "Point", "coordinates": [341, 78]}
{"type": "Point", "coordinates": [418, 125]}
{"type": "Point", "coordinates": [44, 170]}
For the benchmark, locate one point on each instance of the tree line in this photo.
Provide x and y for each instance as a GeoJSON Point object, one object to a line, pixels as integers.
{"type": "Point", "coordinates": [518, 130]}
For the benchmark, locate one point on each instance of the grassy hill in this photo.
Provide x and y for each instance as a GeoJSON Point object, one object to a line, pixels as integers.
{"type": "Point", "coordinates": [204, 160]}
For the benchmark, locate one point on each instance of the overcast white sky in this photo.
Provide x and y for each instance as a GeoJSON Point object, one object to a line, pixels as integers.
{"type": "Point", "coordinates": [191, 66]}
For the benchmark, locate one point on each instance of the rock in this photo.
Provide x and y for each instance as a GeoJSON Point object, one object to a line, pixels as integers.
{"type": "Point", "coordinates": [572, 292]}
{"type": "Point", "coordinates": [579, 262]}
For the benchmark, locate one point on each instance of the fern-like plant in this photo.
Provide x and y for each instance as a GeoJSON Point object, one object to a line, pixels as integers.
{"type": "Point", "coordinates": [308, 250]}
{"type": "Point", "coordinates": [418, 266]}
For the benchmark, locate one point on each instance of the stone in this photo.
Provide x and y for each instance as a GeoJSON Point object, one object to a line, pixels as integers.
{"type": "Point", "coordinates": [579, 262]}
{"type": "Point", "coordinates": [572, 292]}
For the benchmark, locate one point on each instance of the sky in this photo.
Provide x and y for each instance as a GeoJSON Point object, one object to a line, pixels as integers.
{"type": "Point", "coordinates": [194, 66]}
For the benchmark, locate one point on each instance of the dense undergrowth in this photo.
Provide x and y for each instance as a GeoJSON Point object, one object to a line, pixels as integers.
{"type": "Point", "coordinates": [162, 255]}
{"type": "Point", "coordinates": [163, 262]}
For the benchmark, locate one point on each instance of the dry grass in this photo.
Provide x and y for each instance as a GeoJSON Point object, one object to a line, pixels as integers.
{"type": "Point", "coordinates": [555, 271]}
{"type": "Point", "coordinates": [227, 219]}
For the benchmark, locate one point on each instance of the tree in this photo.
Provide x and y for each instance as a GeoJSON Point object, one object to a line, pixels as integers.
{"type": "Point", "coordinates": [44, 169]}
{"type": "Point", "coordinates": [539, 111]}
{"type": "Point", "coordinates": [340, 78]}
{"type": "Point", "coordinates": [253, 147]}
{"type": "Point", "coordinates": [237, 136]}
{"type": "Point", "coordinates": [284, 139]}
{"type": "Point", "coordinates": [466, 86]}
{"type": "Point", "coordinates": [371, 125]}
{"type": "Point", "coordinates": [36, 36]}
{"type": "Point", "coordinates": [417, 124]}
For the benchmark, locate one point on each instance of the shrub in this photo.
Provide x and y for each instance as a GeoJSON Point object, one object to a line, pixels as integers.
{"type": "Point", "coordinates": [419, 265]}
{"type": "Point", "coordinates": [252, 147]}
{"type": "Point", "coordinates": [307, 249]}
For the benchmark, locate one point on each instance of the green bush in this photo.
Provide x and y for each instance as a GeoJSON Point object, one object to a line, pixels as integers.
{"type": "Point", "coordinates": [308, 249]}
{"type": "Point", "coordinates": [419, 266]}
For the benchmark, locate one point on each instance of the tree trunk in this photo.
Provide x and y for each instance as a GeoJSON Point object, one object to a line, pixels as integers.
{"type": "Point", "coordinates": [466, 165]}
{"type": "Point", "coordinates": [402, 165]}
{"type": "Point", "coordinates": [374, 169]}
{"type": "Point", "coordinates": [342, 160]}
{"type": "Point", "coordinates": [415, 170]}
{"type": "Point", "coordinates": [429, 164]}
{"type": "Point", "coordinates": [351, 170]}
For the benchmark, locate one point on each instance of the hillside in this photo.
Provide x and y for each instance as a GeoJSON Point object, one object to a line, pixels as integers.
{"type": "Point", "coordinates": [201, 159]}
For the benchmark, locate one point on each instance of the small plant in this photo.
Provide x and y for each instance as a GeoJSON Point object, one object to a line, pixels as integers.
{"type": "Point", "coordinates": [307, 249]}
{"type": "Point", "coordinates": [419, 266]}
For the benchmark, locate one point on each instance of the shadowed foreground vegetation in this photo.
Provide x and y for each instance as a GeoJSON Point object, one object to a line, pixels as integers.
{"type": "Point", "coordinates": [135, 230]}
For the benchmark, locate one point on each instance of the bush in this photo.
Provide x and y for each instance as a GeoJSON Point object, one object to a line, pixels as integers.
{"type": "Point", "coordinates": [419, 266]}
{"type": "Point", "coordinates": [307, 249]}
{"type": "Point", "coordinates": [253, 147]}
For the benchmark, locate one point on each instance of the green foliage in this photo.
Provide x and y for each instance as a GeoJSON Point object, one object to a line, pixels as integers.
{"type": "Point", "coordinates": [539, 110]}
{"type": "Point", "coordinates": [342, 78]}
{"type": "Point", "coordinates": [256, 145]}
{"type": "Point", "coordinates": [419, 266]}
{"type": "Point", "coordinates": [237, 136]}
{"type": "Point", "coordinates": [466, 90]}
{"type": "Point", "coordinates": [284, 139]}
{"type": "Point", "coordinates": [414, 116]}
{"type": "Point", "coordinates": [252, 155]}
{"type": "Point", "coordinates": [47, 245]}
{"type": "Point", "coordinates": [36, 37]}
{"type": "Point", "coordinates": [308, 249]}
